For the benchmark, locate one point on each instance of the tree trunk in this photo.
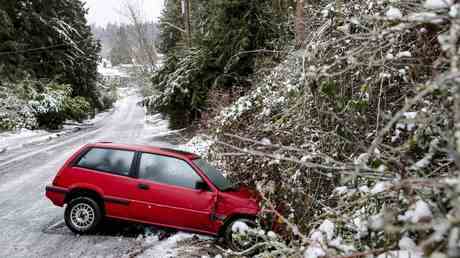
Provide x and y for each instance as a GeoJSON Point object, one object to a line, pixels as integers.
{"type": "Point", "coordinates": [300, 24]}
{"type": "Point", "coordinates": [148, 48]}
{"type": "Point", "coordinates": [188, 32]}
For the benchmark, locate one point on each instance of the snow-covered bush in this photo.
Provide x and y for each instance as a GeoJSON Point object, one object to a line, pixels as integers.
{"type": "Point", "coordinates": [15, 114]}
{"type": "Point", "coordinates": [270, 94]}
{"type": "Point", "coordinates": [31, 104]}
{"type": "Point", "coordinates": [51, 100]}
{"type": "Point", "coordinates": [355, 140]}
{"type": "Point", "coordinates": [50, 105]}
{"type": "Point", "coordinates": [78, 108]}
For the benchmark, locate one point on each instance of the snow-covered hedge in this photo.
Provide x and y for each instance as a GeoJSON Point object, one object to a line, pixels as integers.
{"type": "Point", "coordinates": [355, 141]}
{"type": "Point", "coordinates": [30, 104]}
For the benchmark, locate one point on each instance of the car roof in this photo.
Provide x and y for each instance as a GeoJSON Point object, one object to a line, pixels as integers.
{"type": "Point", "coordinates": [145, 148]}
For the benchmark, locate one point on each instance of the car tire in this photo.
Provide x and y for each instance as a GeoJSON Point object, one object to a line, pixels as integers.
{"type": "Point", "coordinates": [228, 236]}
{"type": "Point", "coordinates": [82, 215]}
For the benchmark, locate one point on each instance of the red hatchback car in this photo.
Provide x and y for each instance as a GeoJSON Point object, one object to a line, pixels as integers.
{"type": "Point", "coordinates": [148, 185]}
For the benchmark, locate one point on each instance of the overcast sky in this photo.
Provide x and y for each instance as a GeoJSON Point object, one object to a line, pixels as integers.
{"type": "Point", "coordinates": [102, 12]}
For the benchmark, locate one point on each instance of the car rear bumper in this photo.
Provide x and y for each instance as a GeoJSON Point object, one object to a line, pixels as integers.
{"type": "Point", "coordinates": [56, 194]}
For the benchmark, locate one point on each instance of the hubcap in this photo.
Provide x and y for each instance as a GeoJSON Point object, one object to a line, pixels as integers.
{"type": "Point", "coordinates": [82, 216]}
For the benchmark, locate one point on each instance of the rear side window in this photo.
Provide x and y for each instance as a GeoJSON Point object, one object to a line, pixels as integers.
{"type": "Point", "coordinates": [108, 160]}
{"type": "Point", "coordinates": [167, 170]}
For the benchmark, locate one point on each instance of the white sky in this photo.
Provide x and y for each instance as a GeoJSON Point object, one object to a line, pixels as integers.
{"type": "Point", "coordinates": [102, 12]}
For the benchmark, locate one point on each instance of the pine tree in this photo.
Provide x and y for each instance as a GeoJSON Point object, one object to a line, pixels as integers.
{"type": "Point", "coordinates": [236, 28]}
{"type": "Point", "coordinates": [49, 39]}
{"type": "Point", "coordinates": [171, 26]}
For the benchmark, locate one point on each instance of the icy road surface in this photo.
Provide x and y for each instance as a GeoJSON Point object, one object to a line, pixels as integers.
{"type": "Point", "coordinates": [30, 226]}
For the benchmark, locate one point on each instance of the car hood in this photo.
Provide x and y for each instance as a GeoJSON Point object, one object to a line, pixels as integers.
{"type": "Point", "coordinates": [244, 192]}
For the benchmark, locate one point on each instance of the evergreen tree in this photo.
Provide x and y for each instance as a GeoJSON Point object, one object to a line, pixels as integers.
{"type": "Point", "coordinates": [238, 26]}
{"type": "Point", "coordinates": [49, 39]}
{"type": "Point", "coordinates": [171, 24]}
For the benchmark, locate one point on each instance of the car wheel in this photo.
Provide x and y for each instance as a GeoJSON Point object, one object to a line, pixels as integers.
{"type": "Point", "coordinates": [82, 215]}
{"type": "Point", "coordinates": [240, 244]}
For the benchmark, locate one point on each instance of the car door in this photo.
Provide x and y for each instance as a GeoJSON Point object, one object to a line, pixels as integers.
{"type": "Point", "coordinates": [166, 185]}
{"type": "Point", "coordinates": [108, 171]}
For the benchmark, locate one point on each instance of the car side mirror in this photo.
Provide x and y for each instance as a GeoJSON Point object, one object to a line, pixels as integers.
{"type": "Point", "coordinates": [202, 186]}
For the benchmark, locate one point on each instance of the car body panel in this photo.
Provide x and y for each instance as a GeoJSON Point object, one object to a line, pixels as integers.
{"type": "Point", "coordinates": [162, 203]}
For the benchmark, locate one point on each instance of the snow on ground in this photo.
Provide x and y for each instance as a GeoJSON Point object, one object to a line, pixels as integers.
{"type": "Point", "coordinates": [110, 72]}
{"type": "Point", "coordinates": [155, 126]}
{"type": "Point", "coordinates": [22, 137]}
{"type": "Point", "coordinates": [97, 118]}
{"type": "Point", "coordinates": [166, 248]}
{"type": "Point", "coordinates": [174, 246]}
{"type": "Point", "coordinates": [7, 138]}
{"type": "Point", "coordinates": [18, 139]}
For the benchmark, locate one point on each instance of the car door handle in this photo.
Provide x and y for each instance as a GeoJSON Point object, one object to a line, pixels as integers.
{"type": "Point", "coordinates": [143, 186]}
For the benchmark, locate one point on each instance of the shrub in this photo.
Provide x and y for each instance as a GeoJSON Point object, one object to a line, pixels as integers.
{"type": "Point", "coordinates": [77, 108]}
{"type": "Point", "coordinates": [108, 96]}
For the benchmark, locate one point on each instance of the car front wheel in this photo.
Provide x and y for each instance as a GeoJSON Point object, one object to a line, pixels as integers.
{"type": "Point", "coordinates": [236, 238]}
{"type": "Point", "coordinates": [82, 215]}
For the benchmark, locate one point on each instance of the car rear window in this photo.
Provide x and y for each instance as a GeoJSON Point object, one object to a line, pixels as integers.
{"type": "Point", "coordinates": [108, 160]}
{"type": "Point", "coordinates": [167, 170]}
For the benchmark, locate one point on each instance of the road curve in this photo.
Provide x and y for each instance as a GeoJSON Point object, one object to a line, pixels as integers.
{"type": "Point", "coordinates": [30, 226]}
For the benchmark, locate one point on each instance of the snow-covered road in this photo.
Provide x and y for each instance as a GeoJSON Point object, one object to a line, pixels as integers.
{"type": "Point", "coordinates": [30, 226]}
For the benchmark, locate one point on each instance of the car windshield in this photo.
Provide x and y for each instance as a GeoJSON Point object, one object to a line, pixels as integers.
{"type": "Point", "coordinates": [215, 175]}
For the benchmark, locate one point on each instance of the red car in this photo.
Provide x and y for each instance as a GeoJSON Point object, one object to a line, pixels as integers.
{"type": "Point", "coordinates": [149, 185]}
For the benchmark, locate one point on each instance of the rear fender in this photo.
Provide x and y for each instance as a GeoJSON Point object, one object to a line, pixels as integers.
{"type": "Point", "coordinates": [68, 163]}
{"type": "Point", "coordinates": [85, 186]}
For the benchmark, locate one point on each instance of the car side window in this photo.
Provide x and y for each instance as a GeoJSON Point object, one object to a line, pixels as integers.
{"type": "Point", "coordinates": [107, 160]}
{"type": "Point", "coordinates": [167, 170]}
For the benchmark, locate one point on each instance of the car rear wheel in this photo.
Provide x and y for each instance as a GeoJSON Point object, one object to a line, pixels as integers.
{"type": "Point", "coordinates": [240, 242]}
{"type": "Point", "coordinates": [82, 215]}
